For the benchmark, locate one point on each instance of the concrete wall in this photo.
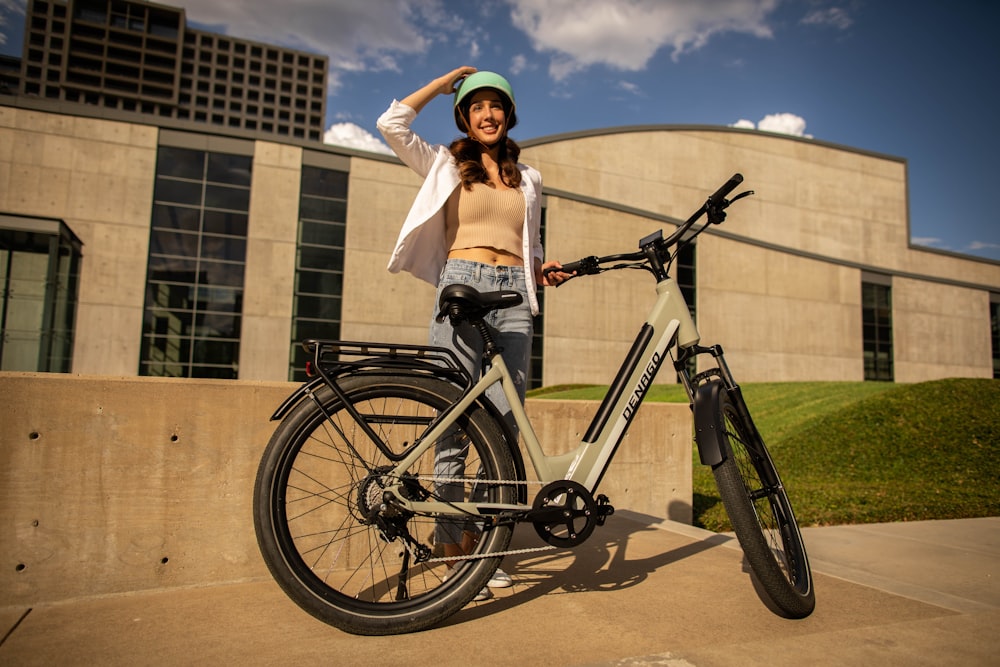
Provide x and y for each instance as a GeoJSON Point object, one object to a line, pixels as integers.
{"type": "Point", "coordinates": [778, 284]}
{"type": "Point", "coordinates": [109, 485]}
{"type": "Point", "coordinates": [938, 332]}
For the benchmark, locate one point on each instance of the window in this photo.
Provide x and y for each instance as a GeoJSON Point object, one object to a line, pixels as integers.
{"type": "Point", "coordinates": [39, 278]}
{"type": "Point", "coordinates": [686, 281]}
{"type": "Point", "coordinates": [197, 252]}
{"type": "Point", "coordinates": [537, 360]}
{"type": "Point", "coordinates": [319, 263]}
{"type": "Point", "coordinates": [876, 320]}
{"type": "Point", "coordinates": [995, 330]}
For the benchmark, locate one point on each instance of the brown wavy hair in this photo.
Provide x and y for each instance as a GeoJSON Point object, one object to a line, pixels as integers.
{"type": "Point", "coordinates": [468, 155]}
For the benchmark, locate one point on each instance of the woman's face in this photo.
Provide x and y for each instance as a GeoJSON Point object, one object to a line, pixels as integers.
{"type": "Point", "coordinates": [487, 120]}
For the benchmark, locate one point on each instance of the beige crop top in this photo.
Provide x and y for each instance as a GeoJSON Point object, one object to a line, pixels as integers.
{"type": "Point", "coordinates": [490, 218]}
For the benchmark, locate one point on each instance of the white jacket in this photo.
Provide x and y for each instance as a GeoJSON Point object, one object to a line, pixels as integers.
{"type": "Point", "coordinates": [421, 247]}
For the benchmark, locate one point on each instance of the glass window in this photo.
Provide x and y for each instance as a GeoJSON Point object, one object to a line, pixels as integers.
{"type": "Point", "coordinates": [317, 233]}
{"type": "Point", "coordinates": [197, 254]}
{"type": "Point", "coordinates": [178, 192]}
{"type": "Point", "coordinates": [876, 321]}
{"type": "Point", "coordinates": [180, 163]}
{"type": "Point", "coordinates": [175, 217]}
{"type": "Point", "coordinates": [320, 261]}
{"type": "Point", "coordinates": [995, 331]}
{"type": "Point", "coordinates": [318, 307]}
{"type": "Point", "coordinates": [39, 281]}
{"type": "Point", "coordinates": [321, 258]}
{"type": "Point", "coordinates": [173, 243]}
{"type": "Point", "coordinates": [536, 363]}
{"type": "Point", "coordinates": [315, 208]}
{"type": "Point", "coordinates": [231, 169]}
{"type": "Point", "coordinates": [235, 199]}
{"type": "Point", "coordinates": [686, 280]}
{"type": "Point", "coordinates": [324, 183]}
{"type": "Point", "coordinates": [225, 222]}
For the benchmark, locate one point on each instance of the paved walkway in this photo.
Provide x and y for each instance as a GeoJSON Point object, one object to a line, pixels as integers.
{"type": "Point", "coordinates": [639, 592]}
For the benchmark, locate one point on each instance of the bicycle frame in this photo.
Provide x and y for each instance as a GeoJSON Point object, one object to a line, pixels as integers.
{"type": "Point", "coordinates": [669, 321]}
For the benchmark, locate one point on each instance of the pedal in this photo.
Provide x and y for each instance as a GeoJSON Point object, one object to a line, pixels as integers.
{"type": "Point", "coordinates": [604, 509]}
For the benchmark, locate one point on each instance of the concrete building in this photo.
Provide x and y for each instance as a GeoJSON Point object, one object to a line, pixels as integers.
{"type": "Point", "coordinates": [141, 56]}
{"type": "Point", "coordinates": [156, 246]}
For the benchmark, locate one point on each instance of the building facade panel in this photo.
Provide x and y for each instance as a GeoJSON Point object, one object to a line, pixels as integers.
{"type": "Point", "coordinates": [940, 331]}
{"type": "Point", "coordinates": [269, 282]}
{"type": "Point", "coordinates": [679, 166]}
{"type": "Point", "coordinates": [379, 305]}
{"type": "Point", "coordinates": [779, 317]}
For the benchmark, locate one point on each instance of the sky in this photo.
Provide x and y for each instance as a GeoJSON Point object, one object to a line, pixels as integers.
{"type": "Point", "coordinates": [915, 80]}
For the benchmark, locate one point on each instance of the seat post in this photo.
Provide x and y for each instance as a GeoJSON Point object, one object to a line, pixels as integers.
{"type": "Point", "coordinates": [490, 348]}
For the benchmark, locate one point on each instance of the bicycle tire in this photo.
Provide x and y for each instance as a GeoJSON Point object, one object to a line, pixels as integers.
{"type": "Point", "coordinates": [760, 511]}
{"type": "Point", "coordinates": [315, 499]}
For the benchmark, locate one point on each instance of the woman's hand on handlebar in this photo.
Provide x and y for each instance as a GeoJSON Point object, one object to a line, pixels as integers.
{"type": "Point", "coordinates": [550, 274]}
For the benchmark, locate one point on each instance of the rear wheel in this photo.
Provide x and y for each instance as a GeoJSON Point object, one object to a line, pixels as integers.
{"type": "Point", "coordinates": [331, 542]}
{"type": "Point", "coordinates": [760, 511]}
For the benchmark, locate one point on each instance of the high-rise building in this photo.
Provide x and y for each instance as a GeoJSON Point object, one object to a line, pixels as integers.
{"type": "Point", "coordinates": [140, 56]}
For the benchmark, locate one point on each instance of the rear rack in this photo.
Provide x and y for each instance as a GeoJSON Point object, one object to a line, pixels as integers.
{"type": "Point", "coordinates": [339, 357]}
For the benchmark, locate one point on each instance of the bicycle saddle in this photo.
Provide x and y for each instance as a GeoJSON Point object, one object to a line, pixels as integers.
{"type": "Point", "coordinates": [462, 302]}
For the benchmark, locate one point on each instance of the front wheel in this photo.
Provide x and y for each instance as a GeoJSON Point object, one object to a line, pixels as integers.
{"type": "Point", "coordinates": [329, 538]}
{"type": "Point", "coordinates": [759, 509]}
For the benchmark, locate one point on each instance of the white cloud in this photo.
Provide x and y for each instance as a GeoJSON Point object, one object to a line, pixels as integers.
{"type": "Point", "coordinates": [980, 245]}
{"type": "Point", "coordinates": [350, 135]}
{"type": "Point", "coordinates": [626, 35]}
{"type": "Point", "coordinates": [832, 16]}
{"type": "Point", "coordinates": [784, 123]}
{"type": "Point", "coordinates": [518, 64]}
{"type": "Point", "coordinates": [928, 241]}
{"type": "Point", "coordinates": [356, 36]}
{"type": "Point", "coordinates": [630, 87]}
{"type": "Point", "coordinates": [781, 123]}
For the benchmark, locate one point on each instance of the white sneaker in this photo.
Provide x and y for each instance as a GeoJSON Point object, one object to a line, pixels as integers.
{"type": "Point", "coordinates": [484, 594]}
{"type": "Point", "coordinates": [500, 579]}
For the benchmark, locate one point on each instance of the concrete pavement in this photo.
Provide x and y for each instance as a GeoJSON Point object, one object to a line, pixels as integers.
{"type": "Point", "coordinates": [640, 592]}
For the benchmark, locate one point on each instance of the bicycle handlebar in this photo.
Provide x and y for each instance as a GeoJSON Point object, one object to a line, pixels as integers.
{"type": "Point", "coordinates": [726, 188]}
{"type": "Point", "coordinates": [715, 206]}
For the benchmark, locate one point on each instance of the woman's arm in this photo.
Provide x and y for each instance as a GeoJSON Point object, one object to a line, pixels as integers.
{"type": "Point", "coordinates": [395, 123]}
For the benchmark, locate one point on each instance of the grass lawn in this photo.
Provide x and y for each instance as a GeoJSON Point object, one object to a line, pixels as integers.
{"type": "Point", "coordinates": [864, 452]}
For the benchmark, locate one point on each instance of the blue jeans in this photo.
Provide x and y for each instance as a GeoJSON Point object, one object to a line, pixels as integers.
{"type": "Point", "coordinates": [512, 329]}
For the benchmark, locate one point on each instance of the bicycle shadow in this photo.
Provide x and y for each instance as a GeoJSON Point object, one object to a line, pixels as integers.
{"type": "Point", "coordinates": [601, 564]}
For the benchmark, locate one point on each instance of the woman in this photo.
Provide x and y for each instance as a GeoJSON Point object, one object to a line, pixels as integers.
{"type": "Point", "coordinates": [476, 220]}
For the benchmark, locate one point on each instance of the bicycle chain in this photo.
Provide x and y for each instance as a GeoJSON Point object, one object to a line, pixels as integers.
{"type": "Point", "coordinates": [431, 478]}
{"type": "Point", "coordinates": [493, 554]}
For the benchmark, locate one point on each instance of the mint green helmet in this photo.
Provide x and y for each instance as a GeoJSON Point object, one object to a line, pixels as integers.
{"type": "Point", "coordinates": [477, 81]}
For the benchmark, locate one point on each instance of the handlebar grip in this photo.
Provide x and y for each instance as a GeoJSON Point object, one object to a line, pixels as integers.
{"type": "Point", "coordinates": [581, 267]}
{"type": "Point", "coordinates": [726, 188]}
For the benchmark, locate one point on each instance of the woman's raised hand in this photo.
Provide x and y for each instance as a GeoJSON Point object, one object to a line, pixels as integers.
{"type": "Point", "coordinates": [451, 80]}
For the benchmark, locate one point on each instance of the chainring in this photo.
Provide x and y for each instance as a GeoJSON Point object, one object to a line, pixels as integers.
{"type": "Point", "coordinates": [564, 513]}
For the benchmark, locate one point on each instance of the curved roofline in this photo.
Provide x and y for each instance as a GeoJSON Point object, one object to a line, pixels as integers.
{"type": "Point", "coordinates": [628, 129]}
